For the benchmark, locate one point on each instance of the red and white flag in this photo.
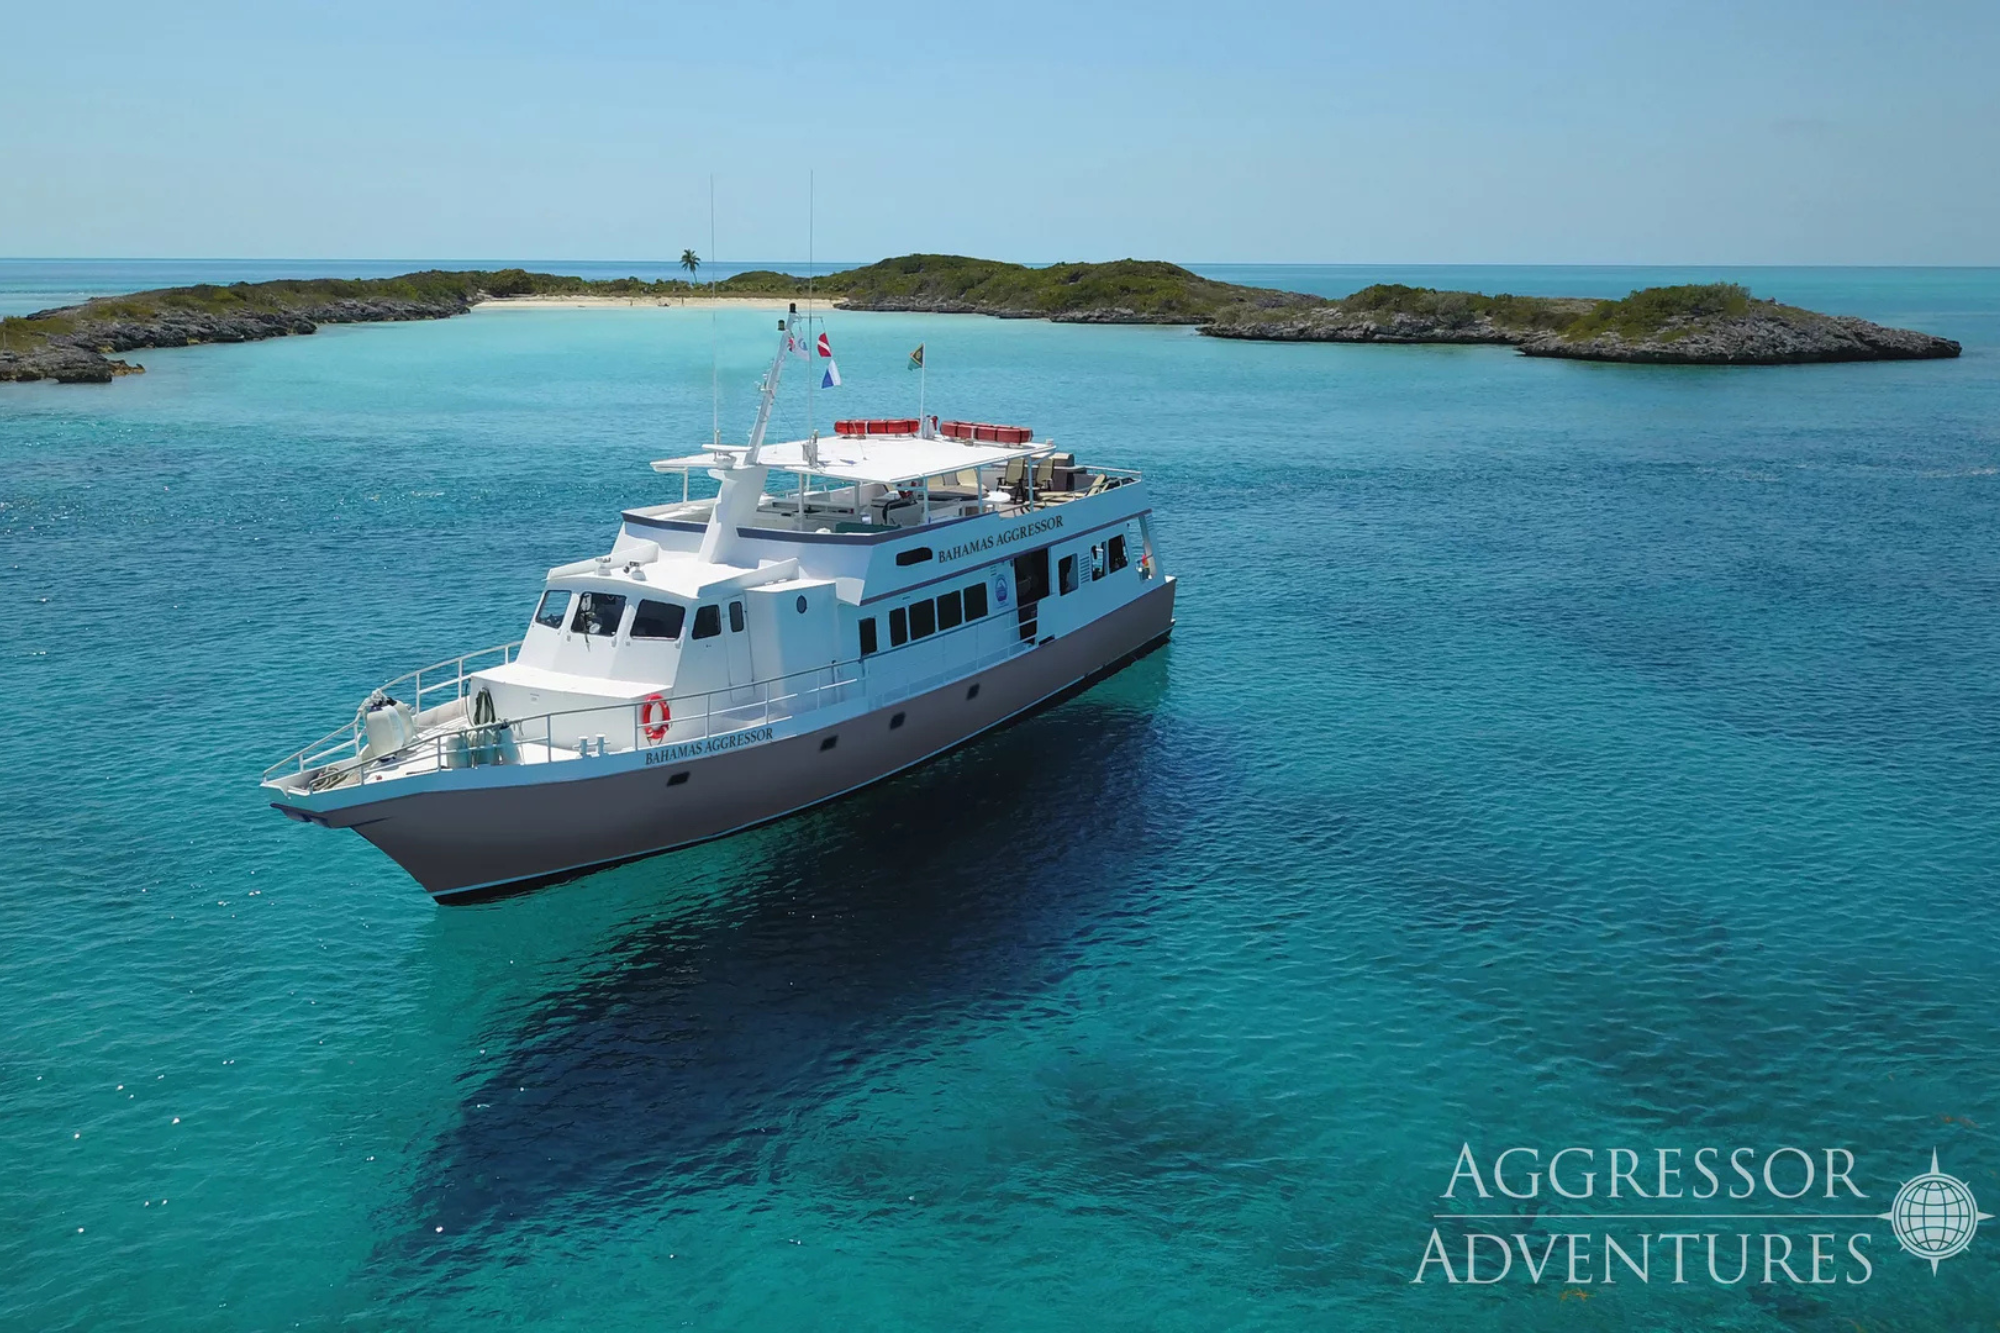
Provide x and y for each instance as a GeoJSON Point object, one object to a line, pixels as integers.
{"type": "Point", "coordinates": [832, 379]}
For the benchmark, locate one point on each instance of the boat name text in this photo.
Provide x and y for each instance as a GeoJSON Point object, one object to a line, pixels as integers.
{"type": "Point", "coordinates": [668, 754]}
{"type": "Point", "coordinates": [981, 545]}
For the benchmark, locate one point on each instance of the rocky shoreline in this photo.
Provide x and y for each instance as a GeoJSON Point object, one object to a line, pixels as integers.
{"type": "Point", "coordinates": [1706, 324]}
{"type": "Point", "coordinates": [80, 349]}
{"type": "Point", "coordinates": [1714, 325]}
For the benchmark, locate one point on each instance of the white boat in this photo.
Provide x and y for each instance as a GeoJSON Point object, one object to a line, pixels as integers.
{"type": "Point", "coordinates": [844, 608]}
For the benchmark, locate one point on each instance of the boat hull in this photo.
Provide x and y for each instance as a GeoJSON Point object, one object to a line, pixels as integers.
{"type": "Point", "coordinates": [477, 842]}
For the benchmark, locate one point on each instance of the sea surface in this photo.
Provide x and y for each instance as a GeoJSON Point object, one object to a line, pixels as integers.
{"type": "Point", "coordinates": [1548, 754]}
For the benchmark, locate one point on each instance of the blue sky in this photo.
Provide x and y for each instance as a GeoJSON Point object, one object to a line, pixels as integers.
{"type": "Point", "coordinates": [1751, 133]}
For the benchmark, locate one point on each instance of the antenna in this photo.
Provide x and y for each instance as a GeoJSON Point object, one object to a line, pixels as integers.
{"type": "Point", "coordinates": [812, 349]}
{"type": "Point", "coordinates": [714, 337]}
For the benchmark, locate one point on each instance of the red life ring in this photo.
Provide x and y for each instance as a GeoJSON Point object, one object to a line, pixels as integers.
{"type": "Point", "coordinates": [656, 731]}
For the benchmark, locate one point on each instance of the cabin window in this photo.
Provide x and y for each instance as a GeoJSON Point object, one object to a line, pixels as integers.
{"type": "Point", "coordinates": [923, 619]}
{"type": "Point", "coordinates": [975, 602]}
{"type": "Point", "coordinates": [736, 617]}
{"type": "Point", "coordinates": [1096, 562]}
{"type": "Point", "coordinates": [554, 602]}
{"type": "Point", "coordinates": [950, 613]}
{"type": "Point", "coordinates": [707, 622]}
{"type": "Point", "coordinates": [868, 636]}
{"type": "Point", "coordinates": [916, 555]}
{"type": "Point", "coordinates": [1066, 573]}
{"type": "Point", "coordinates": [658, 620]}
{"type": "Point", "coordinates": [1031, 576]}
{"type": "Point", "coordinates": [899, 627]}
{"type": "Point", "coordinates": [1115, 552]}
{"type": "Point", "coordinates": [597, 613]}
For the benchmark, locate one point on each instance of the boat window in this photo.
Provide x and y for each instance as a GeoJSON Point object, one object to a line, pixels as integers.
{"type": "Point", "coordinates": [554, 602]}
{"type": "Point", "coordinates": [736, 617]}
{"type": "Point", "coordinates": [1096, 561]}
{"type": "Point", "coordinates": [1031, 576]}
{"type": "Point", "coordinates": [950, 614]}
{"type": "Point", "coordinates": [899, 628]}
{"type": "Point", "coordinates": [1066, 573]}
{"type": "Point", "coordinates": [923, 619]}
{"type": "Point", "coordinates": [1116, 552]}
{"type": "Point", "coordinates": [868, 644]}
{"type": "Point", "coordinates": [975, 602]}
{"type": "Point", "coordinates": [914, 556]}
{"type": "Point", "coordinates": [658, 620]}
{"type": "Point", "coordinates": [707, 622]}
{"type": "Point", "coordinates": [597, 613]}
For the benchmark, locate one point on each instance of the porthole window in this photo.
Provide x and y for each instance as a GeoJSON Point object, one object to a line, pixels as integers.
{"type": "Point", "coordinates": [802, 603]}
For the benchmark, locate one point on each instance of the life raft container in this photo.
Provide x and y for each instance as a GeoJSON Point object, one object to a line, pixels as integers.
{"type": "Point", "coordinates": [655, 717]}
{"type": "Point", "coordinates": [877, 426]}
{"type": "Point", "coordinates": [984, 432]}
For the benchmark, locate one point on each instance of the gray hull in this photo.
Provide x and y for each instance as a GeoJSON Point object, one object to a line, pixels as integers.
{"type": "Point", "coordinates": [458, 844]}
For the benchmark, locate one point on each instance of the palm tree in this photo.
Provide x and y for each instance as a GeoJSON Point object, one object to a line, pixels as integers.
{"type": "Point", "coordinates": [692, 263]}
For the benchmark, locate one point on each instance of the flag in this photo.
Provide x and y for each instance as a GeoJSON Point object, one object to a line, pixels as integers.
{"type": "Point", "coordinates": [825, 347]}
{"type": "Point", "coordinates": [832, 378]}
{"type": "Point", "coordinates": [796, 346]}
{"type": "Point", "coordinates": [917, 358]}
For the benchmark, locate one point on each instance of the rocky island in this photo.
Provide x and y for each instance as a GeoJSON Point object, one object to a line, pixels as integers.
{"type": "Point", "coordinates": [1711, 324]}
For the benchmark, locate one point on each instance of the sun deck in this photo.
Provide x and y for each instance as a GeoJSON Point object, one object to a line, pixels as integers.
{"type": "Point", "coordinates": [877, 484]}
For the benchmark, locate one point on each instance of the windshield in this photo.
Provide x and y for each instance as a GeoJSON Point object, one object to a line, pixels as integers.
{"type": "Point", "coordinates": [554, 602]}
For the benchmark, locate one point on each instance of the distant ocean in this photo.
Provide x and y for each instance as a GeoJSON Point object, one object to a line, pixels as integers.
{"type": "Point", "coordinates": [1548, 754]}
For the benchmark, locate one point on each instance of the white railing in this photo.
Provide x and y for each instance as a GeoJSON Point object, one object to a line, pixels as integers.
{"type": "Point", "coordinates": [631, 726]}
{"type": "Point", "coordinates": [346, 742]}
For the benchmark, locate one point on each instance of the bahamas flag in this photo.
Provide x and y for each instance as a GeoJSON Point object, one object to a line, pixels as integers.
{"type": "Point", "coordinates": [917, 358]}
{"type": "Point", "coordinates": [832, 378]}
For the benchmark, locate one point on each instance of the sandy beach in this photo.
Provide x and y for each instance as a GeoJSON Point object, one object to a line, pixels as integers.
{"type": "Point", "coordinates": [639, 302]}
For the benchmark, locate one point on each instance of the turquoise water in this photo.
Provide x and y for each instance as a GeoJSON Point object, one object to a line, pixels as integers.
{"type": "Point", "coordinates": [1548, 753]}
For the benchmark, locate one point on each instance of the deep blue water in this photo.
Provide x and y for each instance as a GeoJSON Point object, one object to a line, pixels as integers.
{"type": "Point", "coordinates": [1547, 754]}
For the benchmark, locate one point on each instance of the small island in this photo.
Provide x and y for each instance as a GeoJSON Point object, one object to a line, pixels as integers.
{"type": "Point", "coordinates": [1707, 324]}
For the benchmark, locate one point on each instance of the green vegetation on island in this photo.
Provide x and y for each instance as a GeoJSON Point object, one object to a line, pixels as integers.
{"type": "Point", "coordinates": [1696, 324]}
{"type": "Point", "coordinates": [1715, 323]}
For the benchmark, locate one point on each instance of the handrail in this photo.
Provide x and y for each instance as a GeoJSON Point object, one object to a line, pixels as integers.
{"type": "Point", "coordinates": [348, 742]}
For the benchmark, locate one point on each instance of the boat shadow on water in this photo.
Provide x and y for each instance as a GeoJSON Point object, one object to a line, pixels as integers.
{"type": "Point", "coordinates": [845, 942]}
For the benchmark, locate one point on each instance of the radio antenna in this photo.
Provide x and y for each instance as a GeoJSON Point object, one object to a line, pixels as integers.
{"type": "Point", "coordinates": [714, 337]}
